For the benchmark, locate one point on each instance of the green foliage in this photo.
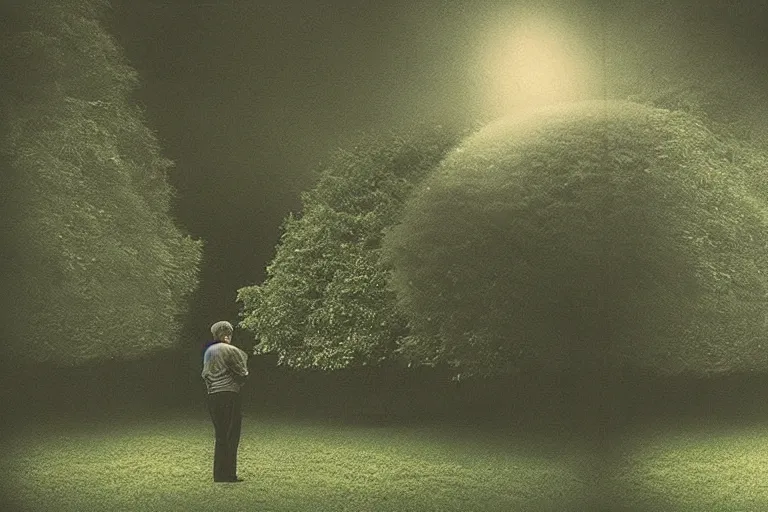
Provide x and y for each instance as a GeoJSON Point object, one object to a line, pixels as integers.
{"type": "Point", "coordinates": [97, 266]}
{"type": "Point", "coordinates": [731, 108]}
{"type": "Point", "coordinates": [590, 236]}
{"type": "Point", "coordinates": [325, 302]}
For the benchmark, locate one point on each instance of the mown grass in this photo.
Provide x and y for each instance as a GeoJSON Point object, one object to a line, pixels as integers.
{"type": "Point", "coordinates": [686, 468]}
{"type": "Point", "coordinates": [164, 464]}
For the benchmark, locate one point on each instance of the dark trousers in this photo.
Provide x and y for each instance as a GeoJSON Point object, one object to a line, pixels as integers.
{"type": "Point", "coordinates": [225, 410]}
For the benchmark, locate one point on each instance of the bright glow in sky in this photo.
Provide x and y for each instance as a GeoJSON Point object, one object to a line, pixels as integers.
{"type": "Point", "coordinates": [529, 59]}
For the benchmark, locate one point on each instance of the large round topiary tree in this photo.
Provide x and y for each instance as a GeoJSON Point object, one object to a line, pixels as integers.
{"type": "Point", "coordinates": [587, 236]}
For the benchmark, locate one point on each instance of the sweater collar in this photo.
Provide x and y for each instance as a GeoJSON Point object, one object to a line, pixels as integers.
{"type": "Point", "coordinates": [210, 343]}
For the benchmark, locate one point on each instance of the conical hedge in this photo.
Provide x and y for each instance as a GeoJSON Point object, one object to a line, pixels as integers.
{"type": "Point", "coordinates": [94, 266]}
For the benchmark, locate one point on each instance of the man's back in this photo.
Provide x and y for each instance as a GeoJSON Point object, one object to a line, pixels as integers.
{"type": "Point", "coordinates": [224, 368]}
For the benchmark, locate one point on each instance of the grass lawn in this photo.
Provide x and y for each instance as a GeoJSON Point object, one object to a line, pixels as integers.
{"type": "Point", "coordinates": [686, 468]}
{"type": "Point", "coordinates": [164, 464]}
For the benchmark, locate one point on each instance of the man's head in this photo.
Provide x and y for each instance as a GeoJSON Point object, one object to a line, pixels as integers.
{"type": "Point", "coordinates": [222, 331]}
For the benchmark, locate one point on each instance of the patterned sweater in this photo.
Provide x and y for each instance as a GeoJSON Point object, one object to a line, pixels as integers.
{"type": "Point", "coordinates": [224, 368]}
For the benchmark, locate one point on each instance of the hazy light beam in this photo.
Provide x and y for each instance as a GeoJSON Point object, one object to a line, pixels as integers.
{"type": "Point", "coordinates": [532, 60]}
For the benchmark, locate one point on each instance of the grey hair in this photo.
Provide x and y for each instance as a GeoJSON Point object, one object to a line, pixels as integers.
{"type": "Point", "coordinates": [220, 329]}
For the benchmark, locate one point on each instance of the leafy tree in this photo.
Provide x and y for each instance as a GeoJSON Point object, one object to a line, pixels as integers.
{"type": "Point", "coordinates": [325, 303]}
{"type": "Point", "coordinates": [590, 236]}
{"type": "Point", "coordinates": [96, 267]}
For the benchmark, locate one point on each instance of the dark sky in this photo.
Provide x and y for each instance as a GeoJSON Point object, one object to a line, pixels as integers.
{"type": "Point", "coordinates": [248, 97]}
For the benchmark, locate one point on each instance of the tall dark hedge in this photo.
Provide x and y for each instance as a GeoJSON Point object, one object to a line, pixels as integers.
{"type": "Point", "coordinates": [590, 236]}
{"type": "Point", "coordinates": [94, 265]}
